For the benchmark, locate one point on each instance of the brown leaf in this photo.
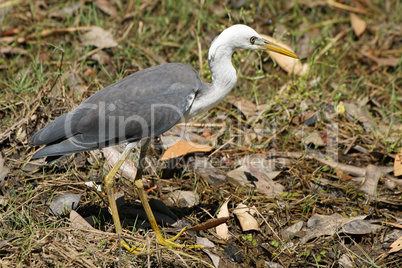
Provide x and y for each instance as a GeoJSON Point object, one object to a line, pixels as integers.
{"type": "Point", "coordinates": [320, 225]}
{"type": "Point", "coordinates": [98, 37]}
{"type": "Point", "coordinates": [77, 221]}
{"type": "Point", "coordinates": [342, 175]}
{"type": "Point", "coordinates": [314, 138]}
{"type": "Point", "coordinates": [212, 175]}
{"type": "Point", "coordinates": [264, 172]}
{"type": "Point", "coordinates": [11, 32]}
{"type": "Point", "coordinates": [248, 108]}
{"type": "Point", "coordinates": [372, 176]}
{"type": "Point", "coordinates": [334, 3]}
{"type": "Point", "coordinates": [214, 258]}
{"type": "Point", "coordinates": [360, 227]}
{"type": "Point", "coordinates": [57, 31]}
{"type": "Point", "coordinates": [182, 147]}
{"type": "Point", "coordinates": [66, 11]}
{"type": "Point", "coordinates": [358, 24]}
{"type": "Point", "coordinates": [247, 222]}
{"type": "Point", "coordinates": [128, 169]}
{"type": "Point", "coordinates": [208, 224]}
{"type": "Point", "coordinates": [289, 64]}
{"type": "Point", "coordinates": [222, 230]}
{"type": "Point", "coordinates": [398, 165]}
{"type": "Point", "coordinates": [307, 117]}
{"type": "Point", "coordinates": [184, 198]}
{"type": "Point", "coordinates": [361, 113]}
{"type": "Point", "coordinates": [106, 7]}
{"type": "Point", "coordinates": [64, 203]}
{"type": "Point", "coordinates": [396, 245]}
{"type": "Point", "coordinates": [4, 170]}
{"type": "Point", "coordinates": [381, 61]}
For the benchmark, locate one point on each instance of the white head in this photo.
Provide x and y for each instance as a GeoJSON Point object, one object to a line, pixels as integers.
{"type": "Point", "coordinates": [242, 36]}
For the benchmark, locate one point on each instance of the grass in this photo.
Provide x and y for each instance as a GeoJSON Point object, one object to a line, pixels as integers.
{"type": "Point", "coordinates": [41, 84]}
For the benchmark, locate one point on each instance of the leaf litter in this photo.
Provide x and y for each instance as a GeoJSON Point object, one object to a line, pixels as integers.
{"type": "Point", "coordinates": [325, 197]}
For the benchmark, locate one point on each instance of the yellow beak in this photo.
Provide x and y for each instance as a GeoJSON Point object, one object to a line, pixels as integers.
{"type": "Point", "coordinates": [269, 46]}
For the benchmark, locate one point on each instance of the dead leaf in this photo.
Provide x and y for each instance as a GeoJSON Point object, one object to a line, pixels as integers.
{"type": "Point", "coordinates": [361, 113]}
{"type": "Point", "coordinates": [205, 242]}
{"type": "Point", "coordinates": [248, 108]}
{"type": "Point", "coordinates": [92, 184]}
{"type": "Point", "coordinates": [398, 165]}
{"type": "Point", "coordinates": [4, 200]}
{"type": "Point", "coordinates": [334, 3]}
{"type": "Point", "coordinates": [320, 225]}
{"type": "Point", "coordinates": [208, 224]}
{"type": "Point", "coordinates": [7, 39]}
{"type": "Point", "coordinates": [305, 43]}
{"type": "Point", "coordinates": [11, 32]}
{"type": "Point", "coordinates": [222, 230]}
{"type": "Point", "coordinates": [106, 7]}
{"type": "Point", "coordinates": [345, 261]}
{"type": "Point", "coordinates": [182, 147]}
{"type": "Point", "coordinates": [184, 198]}
{"type": "Point", "coordinates": [128, 168]}
{"type": "Point", "coordinates": [342, 175]}
{"type": "Point", "coordinates": [393, 62]}
{"type": "Point", "coordinates": [396, 246]}
{"type": "Point", "coordinates": [64, 203]}
{"type": "Point", "coordinates": [358, 24]}
{"type": "Point", "coordinates": [289, 64]}
{"type": "Point", "coordinates": [239, 175]}
{"type": "Point", "coordinates": [263, 172]}
{"type": "Point", "coordinates": [77, 221]}
{"type": "Point", "coordinates": [57, 31]}
{"type": "Point", "coordinates": [315, 139]}
{"type": "Point", "coordinates": [13, 50]}
{"type": "Point", "coordinates": [372, 176]}
{"type": "Point", "coordinates": [214, 258]}
{"type": "Point", "coordinates": [360, 227]}
{"type": "Point", "coordinates": [4, 170]}
{"type": "Point", "coordinates": [212, 175]}
{"type": "Point", "coordinates": [102, 57]}
{"type": "Point", "coordinates": [307, 117]}
{"type": "Point", "coordinates": [66, 11]}
{"type": "Point", "coordinates": [247, 222]}
{"type": "Point", "coordinates": [98, 37]}
{"type": "Point", "coordinates": [290, 231]}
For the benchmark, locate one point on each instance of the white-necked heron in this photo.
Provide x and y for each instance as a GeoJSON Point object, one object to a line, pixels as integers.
{"type": "Point", "coordinates": [146, 104]}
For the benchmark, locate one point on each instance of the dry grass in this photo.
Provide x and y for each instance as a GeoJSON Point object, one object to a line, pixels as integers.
{"type": "Point", "coordinates": [46, 76]}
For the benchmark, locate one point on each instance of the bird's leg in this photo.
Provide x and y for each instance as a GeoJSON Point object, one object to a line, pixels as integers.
{"type": "Point", "coordinates": [109, 182]}
{"type": "Point", "coordinates": [142, 195]}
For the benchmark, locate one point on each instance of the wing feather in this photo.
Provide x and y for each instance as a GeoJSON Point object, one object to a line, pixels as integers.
{"type": "Point", "coordinates": [103, 121]}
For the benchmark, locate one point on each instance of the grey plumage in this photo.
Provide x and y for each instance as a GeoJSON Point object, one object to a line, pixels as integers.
{"type": "Point", "coordinates": [142, 104]}
{"type": "Point", "coordinates": [149, 102]}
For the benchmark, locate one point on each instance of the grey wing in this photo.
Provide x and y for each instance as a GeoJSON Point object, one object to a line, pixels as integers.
{"type": "Point", "coordinates": [98, 125]}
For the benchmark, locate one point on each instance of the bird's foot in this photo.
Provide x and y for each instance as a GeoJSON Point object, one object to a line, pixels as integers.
{"type": "Point", "coordinates": [170, 241]}
{"type": "Point", "coordinates": [167, 242]}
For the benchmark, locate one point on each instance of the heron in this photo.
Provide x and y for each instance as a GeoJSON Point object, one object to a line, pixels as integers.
{"type": "Point", "coordinates": [144, 105]}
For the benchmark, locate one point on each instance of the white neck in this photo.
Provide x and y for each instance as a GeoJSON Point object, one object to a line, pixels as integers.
{"type": "Point", "coordinates": [223, 77]}
{"type": "Point", "coordinates": [222, 70]}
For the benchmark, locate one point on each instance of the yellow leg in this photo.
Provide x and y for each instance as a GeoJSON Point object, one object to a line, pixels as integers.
{"type": "Point", "coordinates": [109, 182]}
{"type": "Point", "coordinates": [109, 179]}
{"type": "Point", "coordinates": [142, 195]}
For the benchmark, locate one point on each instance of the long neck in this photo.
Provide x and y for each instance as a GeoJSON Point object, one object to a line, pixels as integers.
{"type": "Point", "coordinates": [222, 71]}
{"type": "Point", "coordinates": [223, 78]}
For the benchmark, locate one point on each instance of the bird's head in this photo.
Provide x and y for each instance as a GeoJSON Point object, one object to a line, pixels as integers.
{"type": "Point", "coordinates": [242, 36]}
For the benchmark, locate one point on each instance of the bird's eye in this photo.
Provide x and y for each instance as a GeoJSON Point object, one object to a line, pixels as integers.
{"type": "Point", "coordinates": [252, 40]}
